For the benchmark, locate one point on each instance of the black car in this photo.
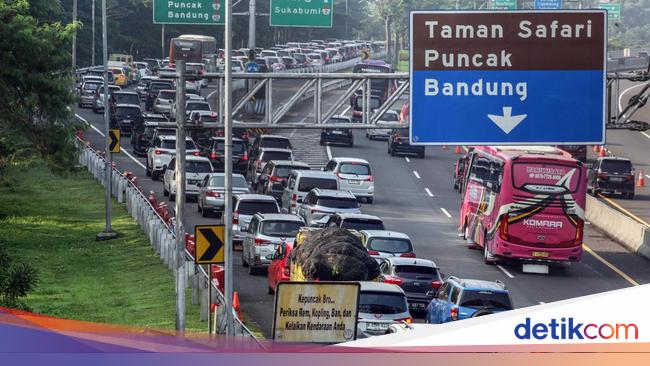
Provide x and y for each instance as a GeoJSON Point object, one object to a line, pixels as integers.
{"type": "Point", "coordinates": [419, 278]}
{"type": "Point", "coordinates": [337, 135]}
{"type": "Point", "coordinates": [611, 175]}
{"type": "Point", "coordinates": [125, 117]}
{"type": "Point", "coordinates": [274, 174]}
{"type": "Point", "coordinates": [154, 88]}
{"type": "Point", "coordinates": [398, 143]}
{"type": "Point", "coordinates": [142, 135]}
{"type": "Point", "coordinates": [239, 155]}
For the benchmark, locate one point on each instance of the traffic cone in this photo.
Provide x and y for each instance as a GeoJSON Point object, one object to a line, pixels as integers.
{"type": "Point", "coordinates": [596, 148]}
{"type": "Point", "coordinates": [445, 147]}
{"type": "Point", "coordinates": [457, 150]}
{"type": "Point", "coordinates": [603, 152]}
{"type": "Point", "coordinates": [641, 181]}
{"type": "Point", "coordinates": [235, 304]}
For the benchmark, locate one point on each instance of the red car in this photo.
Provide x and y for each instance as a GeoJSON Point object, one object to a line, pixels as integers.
{"type": "Point", "coordinates": [280, 268]}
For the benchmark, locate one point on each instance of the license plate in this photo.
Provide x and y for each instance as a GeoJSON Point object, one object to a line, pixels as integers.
{"type": "Point", "coordinates": [617, 179]}
{"type": "Point", "coordinates": [126, 121]}
{"type": "Point", "coordinates": [337, 132]}
{"type": "Point", "coordinates": [417, 305]}
{"type": "Point", "coordinates": [377, 326]}
{"type": "Point", "coordinates": [351, 181]}
{"type": "Point", "coordinates": [540, 254]}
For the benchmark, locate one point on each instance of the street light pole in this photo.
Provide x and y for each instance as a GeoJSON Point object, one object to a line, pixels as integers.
{"type": "Point", "coordinates": [74, 36]}
{"type": "Point", "coordinates": [252, 8]}
{"type": "Point", "coordinates": [93, 48]}
{"type": "Point", "coordinates": [162, 41]}
{"type": "Point", "coordinates": [227, 212]}
{"type": "Point", "coordinates": [180, 195]}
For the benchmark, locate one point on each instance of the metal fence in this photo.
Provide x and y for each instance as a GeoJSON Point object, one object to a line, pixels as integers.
{"type": "Point", "coordinates": [158, 227]}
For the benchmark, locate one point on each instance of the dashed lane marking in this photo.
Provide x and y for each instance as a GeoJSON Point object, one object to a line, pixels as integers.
{"type": "Point", "coordinates": [445, 212]}
{"type": "Point", "coordinates": [505, 271]}
{"type": "Point", "coordinates": [428, 192]}
{"type": "Point", "coordinates": [416, 174]}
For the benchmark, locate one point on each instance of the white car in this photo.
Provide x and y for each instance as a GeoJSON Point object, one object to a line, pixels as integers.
{"type": "Point", "coordinates": [191, 105]}
{"type": "Point", "coordinates": [196, 168]}
{"type": "Point", "coordinates": [390, 119]}
{"type": "Point", "coordinates": [354, 175]}
{"type": "Point", "coordinates": [161, 153]}
{"type": "Point", "coordinates": [193, 86]}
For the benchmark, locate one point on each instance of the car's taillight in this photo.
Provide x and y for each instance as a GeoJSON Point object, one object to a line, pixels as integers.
{"type": "Point", "coordinates": [629, 177]}
{"type": "Point", "coordinates": [212, 194]}
{"type": "Point", "coordinates": [373, 252]}
{"type": "Point", "coordinates": [393, 280]}
{"type": "Point", "coordinates": [579, 232]}
{"type": "Point", "coordinates": [436, 284]}
{"type": "Point", "coordinates": [503, 228]}
{"type": "Point", "coordinates": [259, 164]}
{"type": "Point", "coordinates": [196, 153]}
{"type": "Point", "coordinates": [259, 241]}
{"type": "Point", "coordinates": [408, 255]}
{"type": "Point", "coordinates": [213, 155]}
{"type": "Point", "coordinates": [294, 198]}
{"type": "Point", "coordinates": [158, 152]}
{"type": "Point", "coordinates": [235, 218]}
{"type": "Point", "coordinates": [370, 178]}
{"type": "Point", "coordinates": [273, 178]}
{"type": "Point", "coordinates": [453, 313]}
{"type": "Point", "coordinates": [287, 267]}
{"type": "Point", "coordinates": [408, 320]}
{"type": "Point", "coordinates": [245, 157]}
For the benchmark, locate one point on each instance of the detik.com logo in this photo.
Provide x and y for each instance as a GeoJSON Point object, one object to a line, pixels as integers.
{"type": "Point", "coordinates": [568, 328]}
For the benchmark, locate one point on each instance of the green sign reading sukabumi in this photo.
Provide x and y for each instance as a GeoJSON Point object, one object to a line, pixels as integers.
{"type": "Point", "coordinates": [188, 12]}
{"type": "Point", "coordinates": [301, 13]}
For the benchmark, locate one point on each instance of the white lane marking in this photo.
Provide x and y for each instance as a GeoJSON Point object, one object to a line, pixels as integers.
{"type": "Point", "coordinates": [407, 159]}
{"type": "Point", "coordinates": [416, 174]}
{"type": "Point", "coordinates": [101, 133]}
{"type": "Point", "coordinates": [428, 192]}
{"type": "Point", "coordinates": [504, 271]}
{"type": "Point", "coordinates": [647, 176]}
{"type": "Point", "coordinates": [645, 134]}
{"type": "Point", "coordinates": [329, 152]}
{"type": "Point", "coordinates": [445, 212]}
{"type": "Point", "coordinates": [211, 94]}
{"type": "Point", "coordinates": [620, 97]}
{"type": "Point", "coordinates": [346, 110]}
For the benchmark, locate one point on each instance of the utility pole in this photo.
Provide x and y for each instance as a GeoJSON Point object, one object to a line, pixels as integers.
{"type": "Point", "coordinates": [93, 48]}
{"type": "Point", "coordinates": [227, 212]}
{"type": "Point", "coordinates": [74, 36]}
{"type": "Point", "coordinates": [180, 195]}
{"type": "Point", "coordinates": [108, 232]}
{"type": "Point", "coordinates": [252, 9]}
{"type": "Point", "coordinates": [347, 17]}
{"type": "Point", "coordinates": [162, 41]}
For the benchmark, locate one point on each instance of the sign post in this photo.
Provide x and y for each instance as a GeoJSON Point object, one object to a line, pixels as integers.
{"type": "Point", "coordinates": [509, 78]}
{"type": "Point", "coordinates": [188, 12]}
{"type": "Point", "coordinates": [301, 13]}
{"type": "Point", "coordinates": [320, 312]}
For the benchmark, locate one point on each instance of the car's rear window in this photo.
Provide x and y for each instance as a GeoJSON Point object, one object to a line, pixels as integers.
{"type": "Point", "coordinates": [165, 131]}
{"type": "Point", "coordinates": [390, 117]}
{"type": "Point", "coordinates": [123, 112]}
{"type": "Point", "coordinates": [416, 271]}
{"type": "Point", "coordinates": [282, 229]}
{"type": "Point", "coordinates": [284, 170]}
{"type": "Point", "coordinates": [382, 303]}
{"type": "Point", "coordinates": [253, 207]}
{"type": "Point", "coordinates": [237, 181]}
{"type": "Point", "coordinates": [358, 169]}
{"type": "Point", "coordinates": [487, 299]}
{"type": "Point", "coordinates": [126, 98]}
{"type": "Point", "coordinates": [91, 86]}
{"type": "Point", "coordinates": [616, 166]}
{"type": "Point", "coordinates": [156, 87]}
{"type": "Point", "coordinates": [238, 147]}
{"type": "Point", "coordinates": [276, 155]}
{"type": "Point", "coordinates": [198, 167]}
{"type": "Point", "coordinates": [306, 184]}
{"type": "Point", "coordinates": [334, 202]}
{"type": "Point", "coordinates": [362, 224]}
{"type": "Point", "coordinates": [198, 107]}
{"type": "Point", "coordinates": [167, 95]}
{"type": "Point", "coordinates": [276, 143]}
{"type": "Point", "coordinates": [390, 245]}
{"type": "Point", "coordinates": [171, 144]}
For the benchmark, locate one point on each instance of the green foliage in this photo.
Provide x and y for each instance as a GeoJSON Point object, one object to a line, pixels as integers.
{"type": "Point", "coordinates": [16, 281]}
{"type": "Point", "coordinates": [35, 82]}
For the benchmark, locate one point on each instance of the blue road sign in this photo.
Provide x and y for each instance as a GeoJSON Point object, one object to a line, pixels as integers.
{"type": "Point", "coordinates": [548, 4]}
{"type": "Point", "coordinates": [252, 66]}
{"type": "Point", "coordinates": [503, 77]}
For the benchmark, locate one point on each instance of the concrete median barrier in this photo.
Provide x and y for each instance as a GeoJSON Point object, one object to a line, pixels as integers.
{"type": "Point", "coordinates": [631, 234]}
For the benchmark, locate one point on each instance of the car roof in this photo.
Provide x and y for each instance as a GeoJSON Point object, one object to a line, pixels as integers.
{"type": "Point", "coordinates": [315, 174]}
{"type": "Point", "coordinates": [614, 158]}
{"type": "Point", "coordinates": [128, 105]}
{"type": "Point", "coordinates": [125, 92]}
{"type": "Point", "coordinates": [223, 174]}
{"type": "Point", "coordinates": [172, 137]}
{"type": "Point", "coordinates": [471, 284]}
{"type": "Point", "coordinates": [279, 217]}
{"type": "Point", "coordinates": [196, 158]}
{"type": "Point", "coordinates": [371, 286]}
{"type": "Point", "coordinates": [273, 149]}
{"type": "Point", "coordinates": [255, 197]}
{"type": "Point", "coordinates": [222, 138]}
{"type": "Point", "coordinates": [362, 216]}
{"type": "Point", "coordinates": [402, 261]}
{"type": "Point", "coordinates": [332, 193]}
{"type": "Point", "coordinates": [289, 162]}
{"type": "Point", "coordinates": [350, 160]}
{"type": "Point", "coordinates": [267, 136]}
{"type": "Point", "coordinates": [384, 234]}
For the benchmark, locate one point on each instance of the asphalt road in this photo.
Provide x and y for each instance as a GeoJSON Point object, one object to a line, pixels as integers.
{"type": "Point", "coordinates": [414, 196]}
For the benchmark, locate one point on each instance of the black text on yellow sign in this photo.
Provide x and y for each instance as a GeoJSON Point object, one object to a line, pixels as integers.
{"type": "Point", "coordinates": [114, 140]}
{"type": "Point", "coordinates": [209, 244]}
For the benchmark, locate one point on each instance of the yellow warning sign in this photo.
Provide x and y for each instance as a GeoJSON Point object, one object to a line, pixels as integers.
{"type": "Point", "coordinates": [209, 244]}
{"type": "Point", "coordinates": [114, 140]}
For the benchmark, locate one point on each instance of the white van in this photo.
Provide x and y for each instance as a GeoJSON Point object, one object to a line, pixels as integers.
{"type": "Point", "coordinates": [300, 182]}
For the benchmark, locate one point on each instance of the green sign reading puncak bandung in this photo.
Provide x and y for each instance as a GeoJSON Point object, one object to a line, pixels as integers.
{"type": "Point", "coordinates": [188, 12]}
{"type": "Point", "coordinates": [301, 13]}
{"type": "Point", "coordinates": [504, 4]}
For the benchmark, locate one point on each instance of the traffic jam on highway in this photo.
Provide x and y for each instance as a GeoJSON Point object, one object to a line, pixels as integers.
{"type": "Point", "coordinates": [402, 216]}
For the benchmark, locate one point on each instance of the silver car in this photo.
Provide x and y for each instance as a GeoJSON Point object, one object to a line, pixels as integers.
{"type": "Point", "coordinates": [263, 235]}
{"type": "Point", "coordinates": [390, 119]}
{"type": "Point", "coordinates": [320, 203]}
{"type": "Point", "coordinates": [354, 175]}
{"type": "Point", "coordinates": [212, 191]}
{"type": "Point", "coordinates": [384, 244]}
{"type": "Point", "coordinates": [196, 169]}
{"type": "Point", "coordinates": [247, 205]}
{"type": "Point", "coordinates": [380, 306]}
{"type": "Point", "coordinates": [164, 101]}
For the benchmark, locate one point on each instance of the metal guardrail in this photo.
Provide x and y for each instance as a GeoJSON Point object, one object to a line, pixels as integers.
{"type": "Point", "coordinates": [161, 237]}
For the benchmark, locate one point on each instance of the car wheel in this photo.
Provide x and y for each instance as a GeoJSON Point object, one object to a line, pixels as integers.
{"type": "Point", "coordinates": [148, 171]}
{"type": "Point", "coordinates": [165, 191]}
{"type": "Point", "coordinates": [369, 200]}
{"type": "Point", "coordinates": [198, 207]}
{"type": "Point", "coordinates": [155, 175]}
{"type": "Point", "coordinates": [421, 155]}
{"type": "Point", "coordinates": [270, 291]}
{"type": "Point", "coordinates": [252, 270]}
{"type": "Point", "coordinates": [392, 153]}
{"type": "Point", "coordinates": [243, 259]}
{"type": "Point", "coordinates": [204, 212]}
{"type": "Point", "coordinates": [351, 144]}
{"type": "Point", "coordinates": [630, 196]}
{"type": "Point", "coordinates": [322, 143]}
{"type": "Point", "coordinates": [172, 197]}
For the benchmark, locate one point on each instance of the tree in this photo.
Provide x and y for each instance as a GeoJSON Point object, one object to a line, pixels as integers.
{"type": "Point", "coordinates": [16, 281]}
{"type": "Point", "coordinates": [388, 10]}
{"type": "Point", "coordinates": [35, 81]}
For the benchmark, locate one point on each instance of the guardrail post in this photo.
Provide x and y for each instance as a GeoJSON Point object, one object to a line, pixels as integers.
{"type": "Point", "coordinates": [194, 280]}
{"type": "Point", "coordinates": [203, 299]}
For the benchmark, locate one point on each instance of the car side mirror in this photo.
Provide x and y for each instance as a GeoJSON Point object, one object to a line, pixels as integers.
{"type": "Point", "coordinates": [299, 200]}
{"type": "Point", "coordinates": [243, 229]}
{"type": "Point", "coordinates": [199, 184]}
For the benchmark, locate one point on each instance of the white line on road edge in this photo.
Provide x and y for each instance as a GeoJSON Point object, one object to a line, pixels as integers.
{"type": "Point", "coordinates": [445, 212]}
{"type": "Point", "coordinates": [428, 192]}
{"type": "Point", "coordinates": [211, 94]}
{"type": "Point", "coordinates": [416, 174]}
{"type": "Point", "coordinates": [645, 134]}
{"type": "Point", "coordinates": [346, 110]}
{"type": "Point", "coordinates": [647, 176]}
{"type": "Point", "coordinates": [101, 133]}
{"type": "Point", "coordinates": [329, 152]}
{"type": "Point", "coordinates": [407, 159]}
{"type": "Point", "coordinates": [620, 97]}
{"type": "Point", "coordinates": [504, 271]}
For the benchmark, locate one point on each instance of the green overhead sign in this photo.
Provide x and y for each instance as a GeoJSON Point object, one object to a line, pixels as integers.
{"type": "Point", "coordinates": [301, 13]}
{"type": "Point", "coordinates": [504, 4]}
{"type": "Point", "coordinates": [613, 10]}
{"type": "Point", "coordinates": [188, 12]}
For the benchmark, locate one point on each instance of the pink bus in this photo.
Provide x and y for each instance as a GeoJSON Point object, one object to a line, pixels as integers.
{"type": "Point", "coordinates": [524, 203]}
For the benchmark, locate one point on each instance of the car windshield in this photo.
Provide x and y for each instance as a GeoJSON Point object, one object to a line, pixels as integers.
{"type": "Point", "coordinates": [616, 166]}
{"type": "Point", "coordinates": [155, 87]}
{"type": "Point", "coordinates": [276, 155]}
{"type": "Point", "coordinates": [358, 169]}
{"type": "Point", "coordinates": [363, 224]}
{"type": "Point", "coordinates": [334, 202]}
{"type": "Point", "coordinates": [198, 106]}
{"type": "Point", "coordinates": [484, 299]}
{"type": "Point", "coordinates": [276, 143]}
{"type": "Point", "coordinates": [116, 71]}
{"type": "Point", "coordinates": [124, 112]}
{"type": "Point", "coordinates": [390, 245]}
{"type": "Point", "coordinates": [253, 207]}
{"type": "Point", "coordinates": [307, 184]}
{"type": "Point", "coordinates": [417, 272]}
{"type": "Point", "coordinates": [126, 98]}
{"type": "Point", "coordinates": [167, 95]}
{"type": "Point", "coordinates": [282, 229]}
{"type": "Point", "coordinates": [393, 117]}
{"type": "Point", "coordinates": [238, 147]}
{"type": "Point", "coordinates": [237, 181]}
{"type": "Point", "coordinates": [284, 170]}
{"type": "Point", "coordinates": [198, 167]}
{"type": "Point", "coordinates": [382, 303]}
{"type": "Point", "coordinates": [171, 144]}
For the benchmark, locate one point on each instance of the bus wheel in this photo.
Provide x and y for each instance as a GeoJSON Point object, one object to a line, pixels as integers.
{"type": "Point", "coordinates": [488, 257]}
